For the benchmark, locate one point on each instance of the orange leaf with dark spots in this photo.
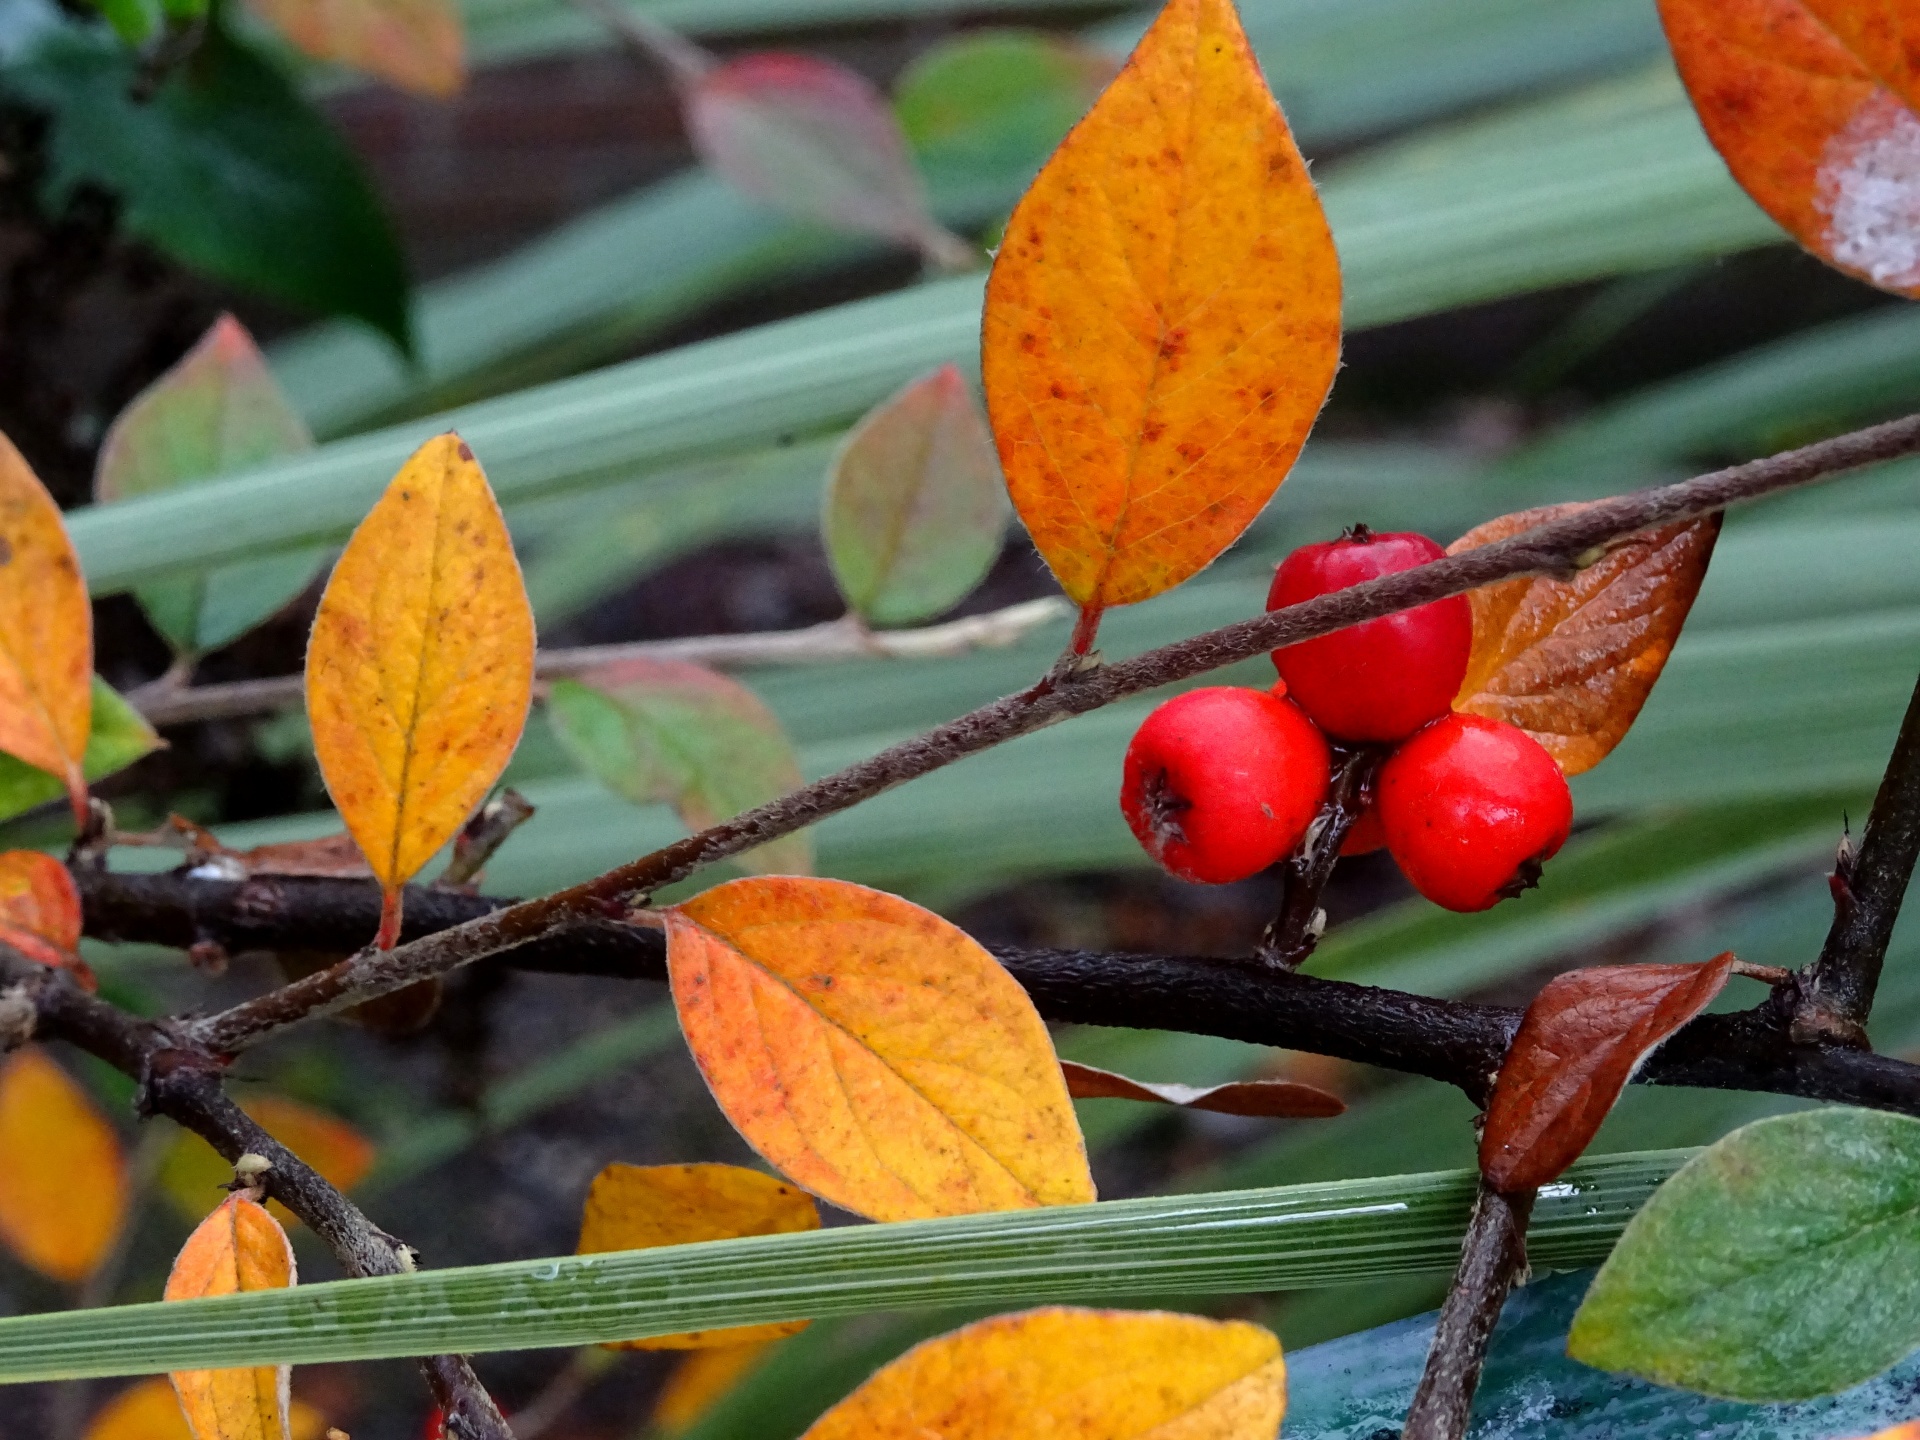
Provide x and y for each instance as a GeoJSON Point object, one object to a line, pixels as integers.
{"type": "Point", "coordinates": [1269, 1099]}
{"type": "Point", "coordinates": [1163, 319]}
{"type": "Point", "coordinates": [1579, 1043]}
{"type": "Point", "coordinates": [871, 1051]}
{"type": "Point", "coordinates": [239, 1247]}
{"type": "Point", "coordinates": [46, 633]}
{"type": "Point", "coordinates": [1815, 107]}
{"type": "Point", "coordinates": [1572, 661]}
{"type": "Point", "coordinates": [63, 1174]}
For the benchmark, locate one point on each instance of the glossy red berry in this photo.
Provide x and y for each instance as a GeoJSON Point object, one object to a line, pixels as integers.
{"type": "Point", "coordinates": [1222, 782]}
{"type": "Point", "coordinates": [1471, 808]}
{"type": "Point", "coordinates": [1380, 680]}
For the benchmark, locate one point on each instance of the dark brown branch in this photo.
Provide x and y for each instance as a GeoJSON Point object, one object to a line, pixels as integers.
{"type": "Point", "coordinates": [185, 1086]}
{"type": "Point", "coordinates": [1834, 996]}
{"type": "Point", "coordinates": [1296, 930]}
{"type": "Point", "coordinates": [1492, 1257]}
{"type": "Point", "coordinates": [1559, 547]}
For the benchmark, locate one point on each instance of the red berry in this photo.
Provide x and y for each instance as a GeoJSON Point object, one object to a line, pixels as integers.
{"type": "Point", "coordinates": [1222, 782]}
{"type": "Point", "coordinates": [1472, 807]}
{"type": "Point", "coordinates": [1365, 835]}
{"type": "Point", "coordinates": [1380, 680]}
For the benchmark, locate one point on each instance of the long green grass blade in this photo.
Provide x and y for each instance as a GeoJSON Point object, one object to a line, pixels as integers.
{"type": "Point", "coordinates": [1221, 1243]}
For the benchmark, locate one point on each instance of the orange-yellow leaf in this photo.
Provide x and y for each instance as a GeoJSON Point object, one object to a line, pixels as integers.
{"type": "Point", "coordinates": [1084, 1374]}
{"type": "Point", "coordinates": [1163, 320]}
{"type": "Point", "coordinates": [418, 45]}
{"type": "Point", "coordinates": [40, 911]}
{"type": "Point", "coordinates": [46, 632]}
{"type": "Point", "coordinates": [1908, 1431]}
{"type": "Point", "coordinates": [699, 1381]}
{"type": "Point", "coordinates": [149, 1410]}
{"type": "Point", "coordinates": [636, 1207]}
{"type": "Point", "coordinates": [1815, 107]}
{"type": "Point", "coordinates": [1572, 661]}
{"type": "Point", "coordinates": [63, 1175]}
{"type": "Point", "coordinates": [238, 1247]}
{"type": "Point", "coordinates": [420, 667]}
{"type": "Point", "coordinates": [193, 1171]}
{"type": "Point", "coordinates": [871, 1051]}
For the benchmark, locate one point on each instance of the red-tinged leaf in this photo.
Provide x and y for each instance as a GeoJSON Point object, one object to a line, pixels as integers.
{"type": "Point", "coordinates": [1273, 1099]}
{"type": "Point", "coordinates": [814, 139]}
{"type": "Point", "coordinates": [238, 1248]}
{"type": "Point", "coordinates": [916, 509]}
{"type": "Point", "coordinates": [418, 45]}
{"type": "Point", "coordinates": [1583, 1036]}
{"type": "Point", "coordinates": [63, 1175]}
{"type": "Point", "coordinates": [1815, 107]}
{"type": "Point", "coordinates": [40, 911]}
{"type": "Point", "coordinates": [1572, 662]}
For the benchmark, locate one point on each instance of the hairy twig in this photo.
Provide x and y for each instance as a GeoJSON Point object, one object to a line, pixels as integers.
{"type": "Point", "coordinates": [1558, 547]}
{"type": "Point", "coordinates": [167, 701]}
{"type": "Point", "coordinates": [1492, 1257]}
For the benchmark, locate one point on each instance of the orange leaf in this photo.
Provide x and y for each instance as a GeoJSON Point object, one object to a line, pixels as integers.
{"type": "Point", "coordinates": [1908, 1431]}
{"type": "Point", "coordinates": [698, 1383]}
{"type": "Point", "coordinates": [418, 45]}
{"type": "Point", "coordinates": [1582, 1038]}
{"type": "Point", "coordinates": [238, 1247]}
{"type": "Point", "coordinates": [149, 1410]}
{"type": "Point", "coordinates": [1274, 1099]}
{"type": "Point", "coordinates": [1163, 320]}
{"type": "Point", "coordinates": [1572, 661]}
{"type": "Point", "coordinates": [1088, 1374]}
{"type": "Point", "coordinates": [420, 668]}
{"type": "Point", "coordinates": [1812, 104]}
{"type": "Point", "coordinates": [40, 911]}
{"type": "Point", "coordinates": [871, 1051]}
{"type": "Point", "coordinates": [192, 1170]}
{"type": "Point", "coordinates": [63, 1176]}
{"type": "Point", "coordinates": [636, 1207]}
{"type": "Point", "coordinates": [46, 633]}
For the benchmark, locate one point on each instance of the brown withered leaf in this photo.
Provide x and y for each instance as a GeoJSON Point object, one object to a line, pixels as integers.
{"type": "Point", "coordinates": [1572, 661]}
{"type": "Point", "coordinates": [1582, 1038]}
{"type": "Point", "coordinates": [1269, 1099]}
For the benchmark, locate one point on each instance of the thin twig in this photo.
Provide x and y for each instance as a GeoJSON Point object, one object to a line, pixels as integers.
{"type": "Point", "coordinates": [166, 702]}
{"type": "Point", "coordinates": [1296, 930]}
{"type": "Point", "coordinates": [1558, 547]}
{"type": "Point", "coordinates": [483, 835]}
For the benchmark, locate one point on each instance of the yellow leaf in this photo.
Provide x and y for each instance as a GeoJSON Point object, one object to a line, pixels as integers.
{"type": "Point", "coordinates": [418, 45]}
{"type": "Point", "coordinates": [699, 1382]}
{"type": "Point", "coordinates": [193, 1170]}
{"type": "Point", "coordinates": [63, 1175]}
{"type": "Point", "coordinates": [239, 1247]}
{"type": "Point", "coordinates": [420, 667]}
{"type": "Point", "coordinates": [1163, 319]}
{"type": "Point", "coordinates": [149, 1410]}
{"type": "Point", "coordinates": [1085, 1374]}
{"type": "Point", "coordinates": [636, 1207]}
{"type": "Point", "coordinates": [871, 1051]}
{"type": "Point", "coordinates": [46, 633]}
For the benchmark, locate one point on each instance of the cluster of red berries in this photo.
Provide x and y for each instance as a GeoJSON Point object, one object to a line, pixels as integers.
{"type": "Point", "coordinates": [1223, 782]}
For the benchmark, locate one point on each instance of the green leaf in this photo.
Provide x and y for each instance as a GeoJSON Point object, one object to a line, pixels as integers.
{"type": "Point", "coordinates": [916, 507]}
{"type": "Point", "coordinates": [120, 737]}
{"type": "Point", "coordinates": [217, 409]}
{"type": "Point", "coordinates": [132, 20]}
{"type": "Point", "coordinates": [664, 730]}
{"type": "Point", "coordinates": [227, 168]}
{"type": "Point", "coordinates": [1782, 1263]}
{"type": "Point", "coordinates": [1235, 1243]}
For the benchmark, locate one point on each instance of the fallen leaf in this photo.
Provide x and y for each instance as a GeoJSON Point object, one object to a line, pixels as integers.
{"type": "Point", "coordinates": [871, 1051]}
{"type": "Point", "coordinates": [149, 1410]}
{"type": "Point", "coordinates": [217, 410]}
{"type": "Point", "coordinates": [667, 731]}
{"type": "Point", "coordinates": [1579, 1043]}
{"type": "Point", "coordinates": [63, 1174]}
{"type": "Point", "coordinates": [193, 1171]}
{"type": "Point", "coordinates": [916, 509]}
{"type": "Point", "coordinates": [40, 911]}
{"type": "Point", "coordinates": [46, 633]}
{"type": "Point", "coordinates": [118, 737]}
{"type": "Point", "coordinates": [1089, 1374]}
{"type": "Point", "coordinates": [698, 1383]}
{"type": "Point", "coordinates": [636, 1207]}
{"type": "Point", "coordinates": [1815, 107]}
{"type": "Point", "coordinates": [1163, 319]}
{"type": "Point", "coordinates": [420, 666]}
{"type": "Point", "coordinates": [239, 1247]}
{"type": "Point", "coordinates": [814, 139]}
{"type": "Point", "coordinates": [418, 45]}
{"type": "Point", "coordinates": [1572, 661]}
{"type": "Point", "coordinates": [1273, 1099]}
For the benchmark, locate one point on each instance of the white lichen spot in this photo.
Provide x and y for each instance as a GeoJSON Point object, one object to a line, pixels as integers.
{"type": "Point", "coordinates": [1869, 191]}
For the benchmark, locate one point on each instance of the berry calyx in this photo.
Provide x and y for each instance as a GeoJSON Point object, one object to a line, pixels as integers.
{"type": "Point", "coordinates": [1379, 681]}
{"type": "Point", "coordinates": [1472, 808]}
{"type": "Point", "coordinates": [1222, 782]}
